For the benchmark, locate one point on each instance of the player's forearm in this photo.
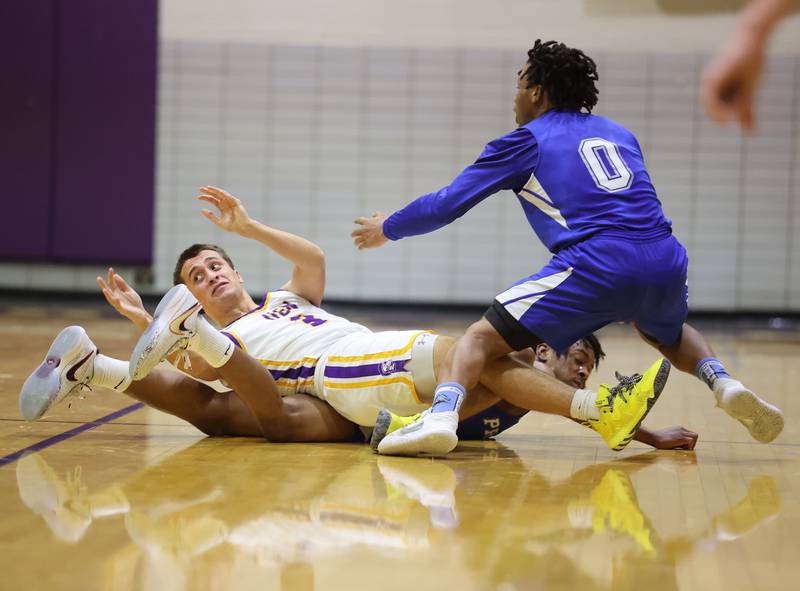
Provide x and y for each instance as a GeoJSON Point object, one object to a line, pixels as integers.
{"type": "Point", "coordinates": [760, 17]}
{"type": "Point", "coordinates": [646, 436]}
{"type": "Point", "coordinates": [418, 217]}
{"type": "Point", "coordinates": [506, 163]}
{"type": "Point", "coordinates": [301, 252]}
{"type": "Point", "coordinates": [436, 210]}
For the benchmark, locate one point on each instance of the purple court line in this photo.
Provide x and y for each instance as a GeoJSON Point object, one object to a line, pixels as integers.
{"type": "Point", "coordinates": [45, 443]}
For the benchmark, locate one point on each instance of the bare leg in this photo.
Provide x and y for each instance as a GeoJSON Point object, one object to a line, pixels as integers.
{"type": "Point", "coordinates": [291, 418]}
{"type": "Point", "coordinates": [211, 412]}
{"type": "Point", "coordinates": [465, 362]}
{"type": "Point", "coordinates": [527, 387]}
{"type": "Point", "coordinates": [685, 354]}
{"type": "Point", "coordinates": [511, 380]}
{"type": "Point", "coordinates": [763, 420]}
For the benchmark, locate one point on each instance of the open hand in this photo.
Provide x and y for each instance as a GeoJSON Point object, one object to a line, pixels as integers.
{"type": "Point", "coordinates": [370, 234]}
{"type": "Point", "coordinates": [673, 438]}
{"type": "Point", "coordinates": [232, 215]}
{"type": "Point", "coordinates": [730, 82]}
{"type": "Point", "coordinates": [124, 299]}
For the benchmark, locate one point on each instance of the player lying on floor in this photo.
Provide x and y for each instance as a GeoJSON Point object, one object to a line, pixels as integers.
{"type": "Point", "coordinates": [573, 367]}
{"type": "Point", "coordinates": [306, 350]}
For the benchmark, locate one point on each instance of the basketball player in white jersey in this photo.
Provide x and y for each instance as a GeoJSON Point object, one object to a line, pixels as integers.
{"type": "Point", "coordinates": [307, 351]}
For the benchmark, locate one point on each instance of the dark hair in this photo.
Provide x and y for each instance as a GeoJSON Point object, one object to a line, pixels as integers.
{"type": "Point", "coordinates": [193, 251]}
{"type": "Point", "coordinates": [567, 75]}
{"type": "Point", "coordinates": [593, 343]}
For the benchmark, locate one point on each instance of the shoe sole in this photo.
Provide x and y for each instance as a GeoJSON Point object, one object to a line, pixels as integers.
{"type": "Point", "coordinates": [43, 385]}
{"type": "Point", "coordinates": [435, 443]}
{"type": "Point", "coordinates": [380, 430]}
{"type": "Point", "coordinates": [145, 355]}
{"type": "Point", "coordinates": [763, 420]}
{"type": "Point", "coordinates": [658, 386]}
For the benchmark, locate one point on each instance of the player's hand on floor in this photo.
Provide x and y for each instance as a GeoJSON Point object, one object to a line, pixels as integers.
{"type": "Point", "coordinates": [124, 299]}
{"type": "Point", "coordinates": [674, 438]}
{"type": "Point", "coordinates": [232, 215]}
{"type": "Point", "coordinates": [370, 234]}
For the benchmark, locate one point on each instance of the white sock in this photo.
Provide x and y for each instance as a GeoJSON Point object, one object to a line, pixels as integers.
{"type": "Point", "coordinates": [583, 405]}
{"type": "Point", "coordinates": [722, 384]}
{"type": "Point", "coordinates": [210, 344]}
{"type": "Point", "coordinates": [110, 373]}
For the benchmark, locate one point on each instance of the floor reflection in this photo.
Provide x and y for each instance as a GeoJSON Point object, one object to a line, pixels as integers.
{"type": "Point", "coordinates": [214, 510]}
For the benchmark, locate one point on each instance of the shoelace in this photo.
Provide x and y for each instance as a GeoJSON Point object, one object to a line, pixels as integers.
{"type": "Point", "coordinates": [77, 394]}
{"type": "Point", "coordinates": [625, 385]}
{"type": "Point", "coordinates": [183, 357]}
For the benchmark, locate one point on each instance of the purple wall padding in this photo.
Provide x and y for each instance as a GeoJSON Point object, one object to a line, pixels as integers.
{"type": "Point", "coordinates": [104, 172]}
{"type": "Point", "coordinates": [26, 112]}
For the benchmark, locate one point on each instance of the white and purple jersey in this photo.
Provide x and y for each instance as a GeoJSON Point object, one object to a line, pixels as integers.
{"type": "Point", "coordinates": [288, 334]}
{"type": "Point", "coordinates": [357, 371]}
{"type": "Point", "coordinates": [575, 175]}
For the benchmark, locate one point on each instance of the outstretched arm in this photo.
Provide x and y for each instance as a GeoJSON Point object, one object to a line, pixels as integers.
{"type": "Point", "coordinates": [308, 275]}
{"type": "Point", "coordinates": [124, 299]}
{"type": "Point", "coordinates": [506, 163]}
{"type": "Point", "coordinates": [669, 438]}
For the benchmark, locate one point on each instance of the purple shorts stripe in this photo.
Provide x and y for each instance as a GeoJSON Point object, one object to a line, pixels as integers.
{"type": "Point", "coordinates": [45, 443]}
{"type": "Point", "coordinates": [385, 368]}
{"type": "Point", "coordinates": [293, 373]}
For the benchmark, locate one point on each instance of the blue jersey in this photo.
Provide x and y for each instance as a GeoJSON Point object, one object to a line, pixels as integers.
{"type": "Point", "coordinates": [575, 175]}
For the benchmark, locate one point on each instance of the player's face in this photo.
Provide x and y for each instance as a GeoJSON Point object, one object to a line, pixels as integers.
{"type": "Point", "coordinates": [211, 279]}
{"type": "Point", "coordinates": [575, 367]}
{"type": "Point", "coordinates": [523, 105]}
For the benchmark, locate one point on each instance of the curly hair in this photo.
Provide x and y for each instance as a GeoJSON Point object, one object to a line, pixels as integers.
{"type": "Point", "coordinates": [567, 75]}
{"type": "Point", "coordinates": [594, 344]}
{"type": "Point", "coordinates": [590, 341]}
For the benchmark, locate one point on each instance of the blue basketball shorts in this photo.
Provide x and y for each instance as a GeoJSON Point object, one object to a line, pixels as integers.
{"type": "Point", "coordinates": [588, 285]}
{"type": "Point", "coordinates": [486, 424]}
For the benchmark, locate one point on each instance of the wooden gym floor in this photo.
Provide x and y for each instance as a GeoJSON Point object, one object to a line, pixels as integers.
{"type": "Point", "coordinates": [115, 496]}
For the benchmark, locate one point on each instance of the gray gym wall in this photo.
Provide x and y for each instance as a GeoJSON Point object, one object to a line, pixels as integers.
{"type": "Point", "coordinates": [316, 113]}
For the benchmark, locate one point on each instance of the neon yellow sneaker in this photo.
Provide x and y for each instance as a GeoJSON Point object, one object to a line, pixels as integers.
{"type": "Point", "coordinates": [388, 422]}
{"type": "Point", "coordinates": [616, 508]}
{"type": "Point", "coordinates": [623, 407]}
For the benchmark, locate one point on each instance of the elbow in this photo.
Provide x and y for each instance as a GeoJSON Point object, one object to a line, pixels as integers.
{"type": "Point", "coordinates": [319, 256]}
{"type": "Point", "coordinates": [314, 258]}
{"type": "Point", "coordinates": [442, 215]}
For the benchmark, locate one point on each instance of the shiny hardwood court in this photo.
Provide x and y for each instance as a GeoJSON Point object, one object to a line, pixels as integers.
{"type": "Point", "coordinates": [142, 501]}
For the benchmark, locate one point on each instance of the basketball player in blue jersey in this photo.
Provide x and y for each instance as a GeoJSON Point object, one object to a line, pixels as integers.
{"type": "Point", "coordinates": [584, 188]}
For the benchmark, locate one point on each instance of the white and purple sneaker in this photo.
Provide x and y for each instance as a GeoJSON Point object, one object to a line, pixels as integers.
{"type": "Point", "coordinates": [66, 369]}
{"type": "Point", "coordinates": [432, 433]}
{"type": "Point", "coordinates": [174, 323]}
